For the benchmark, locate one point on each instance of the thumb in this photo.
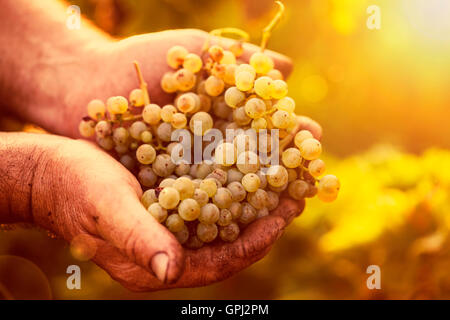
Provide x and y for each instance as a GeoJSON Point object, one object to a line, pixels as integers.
{"type": "Point", "coordinates": [127, 225]}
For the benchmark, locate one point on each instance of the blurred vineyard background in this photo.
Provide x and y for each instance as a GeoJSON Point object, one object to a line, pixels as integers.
{"type": "Point", "coordinates": [382, 97]}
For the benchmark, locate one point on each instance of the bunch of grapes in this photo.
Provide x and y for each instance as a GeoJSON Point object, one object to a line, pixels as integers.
{"type": "Point", "coordinates": [217, 197]}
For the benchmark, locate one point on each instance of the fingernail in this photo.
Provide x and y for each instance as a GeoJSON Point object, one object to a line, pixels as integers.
{"type": "Point", "coordinates": [159, 265]}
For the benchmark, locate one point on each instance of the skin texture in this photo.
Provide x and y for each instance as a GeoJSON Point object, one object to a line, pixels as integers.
{"type": "Point", "coordinates": [48, 74]}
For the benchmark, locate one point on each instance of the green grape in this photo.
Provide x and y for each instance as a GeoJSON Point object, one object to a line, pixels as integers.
{"type": "Point", "coordinates": [225, 154]}
{"type": "Point", "coordinates": [117, 105]}
{"type": "Point", "coordinates": [127, 161]}
{"type": "Point", "coordinates": [168, 82]}
{"type": "Point", "coordinates": [259, 124]}
{"type": "Point", "coordinates": [310, 149]}
{"type": "Point", "coordinates": [328, 188]}
{"type": "Point", "coordinates": [207, 232]}
{"type": "Point", "coordinates": [223, 198]}
{"type": "Point", "coordinates": [233, 97]}
{"type": "Point", "coordinates": [120, 135]}
{"type": "Point", "coordinates": [275, 74]}
{"type": "Point", "coordinates": [157, 212]}
{"type": "Point", "coordinates": [248, 162]}
{"type": "Point", "coordinates": [192, 62]}
{"type": "Point", "coordinates": [264, 87]}
{"type": "Point", "coordinates": [234, 175]}
{"type": "Point", "coordinates": [183, 235]}
{"type": "Point", "coordinates": [87, 128]}
{"type": "Point", "coordinates": [225, 218]}
{"type": "Point", "coordinates": [237, 190]}
{"type": "Point", "coordinates": [262, 179]}
{"type": "Point", "coordinates": [272, 200]}
{"type": "Point", "coordinates": [201, 197]}
{"type": "Point", "coordinates": [202, 170]}
{"type": "Point", "coordinates": [106, 143]}
{"type": "Point", "coordinates": [209, 214]}
{"type": "Point", "coordinates": [167, 182]}
{"type": "Point", "coordinates": [230, 232]}
{"type": "Point", "coordinates": [145, 154]}
{"type": "Point", "coordinates": [228, 58]}
{"type": "Point", "coordinates": [174, 223]}
{"type": "Point", "coordinates": [189, 209]}
{"type": "Point", "coordinates": [251, 182]}
{"type": "Point", "coordinates": [244, 80]}
{"type": "Point", "coordinates": [301, 136]}
{"type": "Point", "coordinates": [246, 68]}
{"type": "Point", "coordinates": [149, 197]}
{"type": "Point", "coordinates": [292, 174]}
{"type": "Point", "coordinates": [176, 55]}
{"type": "Point", "coordinates": [261, 213]}
{"type": "Point", "coordinates": [185, 187]}
{"type": "Point", "coordinates": [258, 199]}
{"type": "Point", "coordinates": [291, 158]}
{"type": "Point", "coordinates": [277, 176]}
{"type": "Point", "coordinates": [168, 198]}
{"type": "Point", "coordinates": [216, 53]}
{"type": "Point", "coordinates": [103, 129]}
{"type": "Point", "coordinates": [137, 98]}
{"type": "Point", "coordinates": [203, 119]}
{"type": "Point", "coordinates": [179, 121]}
{"type": "Point", "coordinates": [214, 86]}
{"type": "Point", "coordinates": [261, 62]}
{"type": "Point", "coordinates": [255, 108]}
{"type": "Point", "coordinates": [281, 119]}
{"type": "Point", "coordinates": [96, 109]}
{"type": "Point", "coordinates": [236, 210]}
{"type": "Point", "coordinates": [146, 136]}
{"type": "Point", "coordinates": [316, 168]}
{"type": "Point", "coordinates": [280, 90]}
{"type": "Point", "coordinates": [182, 169]}
{"type": "Point", "coordinates": [297, 189]}
{"type": "Point", "coordinates": [286, 104]}
{"type": "Point", "coordinates": [136, 129]}
{"type": "Point", "coordinates": [248, 214]}
{"type": "Point", "coordinates": [187, 102]}
{"type": "Point", "coordinates": [209, 186]}
{"type": "Point", "coordinates": [229, 75]}
{"type": "Point", "coordinates": [163, 165]}
{"type": "Point", "coordinates": [185, 79]}
{"type": "Point", "coordinates": [218, 174]}
{"type": "Point", "coordinates": [147, 177]}
{"type": "Point", "coordinates": [151, 114]}
{"type": "Point", "coordinates": [240, 117]}
{"type": "Point", "coordinates": [167, 113]}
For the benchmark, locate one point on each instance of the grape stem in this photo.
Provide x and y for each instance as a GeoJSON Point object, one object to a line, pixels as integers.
{"type": "Point", "coordinates": [267, 31]}
{"type": "Point", "coordinates": [142, 83]}
{"type": "Point", "coordinates": [288, 139]}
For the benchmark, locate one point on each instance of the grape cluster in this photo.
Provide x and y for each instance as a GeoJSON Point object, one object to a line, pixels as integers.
{"type": "Point", "coordinates": [213, 199]}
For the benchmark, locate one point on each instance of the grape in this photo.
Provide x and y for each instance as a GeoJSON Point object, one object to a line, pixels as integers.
{"type": "Point", "coordinates": [174, 223]}
{"type": "Point", "coordinates": [275, 74]}
{"type": "Point", "coordinates": [218, 70]}
{"type": "Point", "coordinates": [163, 165]}
{"type": "Point", "coordinates": [147, 177]}
{"type": "Point", "coordinates": [286, 104]}
{"type": "Point", "coordinates": [103, 129]}
{"type": "Point", "coordinates": [229, 75]}
{"type": "Point", "coordinates": [310, 149]}
{"type": "Point", "coordinates": [262, 179]}
{"type": "Point", "coordinates": [152, 113]}
{"type": "Point", "coordinates": [236, 210]}
{"type": "Point", "coordinates": [194, 242]}
{"type": "Point", "coordinates": [301, 136]}
{"type": "Point", "coordinates": [216, 53]}
{"type": "Point", "coordinates": [220, 108]}
{"type": "Point", "coordinates": [237, 190]}
{"type": "Point", "coordinates": [176, 55]}
{"type": "Point", "coordinates": [228, 58]}
{"type": "Point", "coordinates": [261, 213]}
{"type": "Point", "coordinates": [145, 154]}
{"type": "Point", "coordinates": [148, 198]}
{"type": "Point", "coordinates": [189, 210]}
{"type": "Point", "coordinates": [183, 235]}
{"type": "Point", "coordinates": [203, 169]}
{"type": "Point", "coordinates": [106, 143]}
{"type": "Point", "coordinates": [192, 62]}
{"type": "Point", "coordinates": [179, 121]}
{"type": "Point", "coordinates": [251, 182]}
{"type": "Point", "coordinates": [133, 145]}
{"type": "Point", "coordinates": [237, 48]}
{"type": "Point", "coordinates": [244, 80]}
{"type": "Point", "coordinates": [136, 129]}
{"type": "Point", "coordinates": [233, 97]}
{"type": "Point", "coordinates": [312, 191]}
{"type": "Point", "coordinates": [255, 108]}
{"type": "Point", "coordinates": [259, 124]}
{"type": "Point", "coordinates": [96, 109]}
{"type": "Point", "coordinates": [281, 119]}
{"type": "Point", "coordinates": [137, 98]}
{"type": "Point", "coordinates": [164, 132]}
{"type": "Point", "coordinates": [225, 218]}
{"type": "Point", "coordinates": [187, 102]}
{"type": "Point", "coordinates": [328, 188]}
{"type": "Point", "coordinates": [201, 197]}
{"type": "Point", "coordinates": [207, 232]}
{"type": "Point", "coordinates": [225, 154]}
{"type": "Point", "coordinates": [234, 175]}
{"type": "Point", "coordinates": [87, 128]}
{"type": "Point", "coordinates": [121, 149]}
{"type": "Point", "coordinates": [264, 87]}
{"type": "Point", "coordinates": [291, 158]}
{"type": "Point", "coordinates": [158, 212]}
{"type": "Point", "coordinates": [230, 232]}
{"type": "Point", "coordinates": [265, 143]}
{"type": "Point", "coordinates": [297, 189]}
{"type": "Point", "coordinates": [205, 121]}
{"type": "Point", "coordinates": [209, 186]}
{"type": "Point", "coordinates": [169, 198]}
{"type": "Point", "coordinates": [214, 86]}
{"type": "Point", "coordinates": [167, 113]}
{"type": "Point", "coordinates": [196, 183]}
{"type": "Point", "coordinates": [248, 214]}
{"type": "Point", "coordinates": [219, 175]}
{"type": "Point", "coordinates": [182, 169]}
{"type": "Point", "coordinates": [248, 162]}
{"type": "Point", "coordinates": [278, 189]}
{"type": "Point", "coordinates": [146, 136]}
{"type": "Point", "coordinates": [120, 135]}
{"type": "Point", "coordinates": [185, 79]}
{"type": "Point", "coordinates": [117, 105]}
{"type": "Point", "coordinates": [272, 200]}
{"type": "Point", "coordinates": [168, 82]}
{"type": "Point", "coordinates": [292, 174]}
{"type": "Point", "coordinates": [316, 168]}
{"type": "Point", "coordinates": [205, 102]}
{"type": "Point", "coordinates": [261, 62]}
{"type": "Point", "coordinates": [223, 198]}
{"type": "Point", "coordinates": [240, 117]}
{"type": "Point", "coordinates": [258, 199]}
{"type": "Point", "coordinates": [209, 214]}
{"type": "Point", "coordinates": [244, 142]}
{"type": "Point", "coordinates": [185, 187]}
{"type": "Point", "coordinates": [277, 176]}
{"type": "Point", "coordinates": [279, 89]}
{"type": "Point", "coordinates": [246, 68]}
{"type": "Point", "coordinates": [167, 182]}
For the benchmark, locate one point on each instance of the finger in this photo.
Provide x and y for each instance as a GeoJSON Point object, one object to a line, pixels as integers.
{"type": "Point", "coordinates": [288, 209]}
{"type": "Point", "coordinates": [125, 223]}
{"type": "Point", "coordinates": [307, 123]}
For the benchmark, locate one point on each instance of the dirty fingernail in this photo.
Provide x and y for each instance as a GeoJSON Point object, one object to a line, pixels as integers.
{"type": "Point", "coordinates": [159, 265]}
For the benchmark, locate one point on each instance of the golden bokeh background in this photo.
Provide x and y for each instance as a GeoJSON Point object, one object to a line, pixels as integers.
{"type": "Point", "coordinates": [383, 99]}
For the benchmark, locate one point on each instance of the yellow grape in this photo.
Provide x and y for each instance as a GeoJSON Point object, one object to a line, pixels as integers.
{"type": "Point", "coordinates": [277, 176]}
{"type": "Point", "coordinates": [259, 124]}
{"type": "Point", "coordinates": [275, 74]}
{"type": "Point", "coordinates": [245, 68]}
{"type": "Point", "coordinates": [291, 158]}
{"type": "Point", "coordinates": [188, 102]}
{"type": "Point", "coordinates": [264, 87]}
{"type": "Point", "coordinates": [229, 75]}
{"type": "Point", "coordinates": [87, 128]}
{"type": "Point", "coordinates": [146, 154]}
{"type": "Point", "coordinates": [301, 136]}
{"type": "Point", "coordinates": [179, 121]}
{"type": "Point", "coordinates": [137, 98]}
{"type": "Point", "coordinates": [310, 149]}
{"type": "Point", "coordinates": [255, 108]}
{"type": "Point", "coordinates": [216, 53]}
{"type": "Point", "coordinates": [251, 182]}
{"type": "Point", "coordinates": [169, 83]}
{"type": "Point", "coordinates": [151, 113]}
{"type": "Point", "coordinates": [185, 79]}
{"type": "Point", "coordinates": [233, 96]}
{"type": "Point", "coordinates": [192, 62]}
{"type": "Point", "coordinates": [237, 48]}
{"type": "Point", "coordinates": [328, 188]}
{"type": "Point", "coordinates": [228, 58]}
{"type": "Point", "coordinates": [261, 62]}
{"type": "Point", "coordinates": [279, 90]}
{"type": "Point", "coordinates": [214, 86]}
{"type": "Point", "coordinates": [168, 198]}
{"type": "Point", "coordinates": [176, 55]}
{"type": "Point", "coordinates": [316, 168]}
{"type": "Point", "coordinates": [204, 119]}
{"type": "Point", "coordinates": [244, 80]}
{"type": "Point", "coordinates": [117, 105]}
{"type": "Point", "coordinates": [167, 112]}
{"type": "Point", "coordinates": [225, 154]}
{"type": "Point", "coordinates": [96, 109]}
{"type": "Point", "coordinates": [281, 119]}
{"type": "Point", "coordinates": [286, 104]}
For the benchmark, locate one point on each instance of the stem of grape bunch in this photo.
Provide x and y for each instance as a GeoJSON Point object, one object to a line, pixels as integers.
{"type": "Point", "coordinates": [267, 31]}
